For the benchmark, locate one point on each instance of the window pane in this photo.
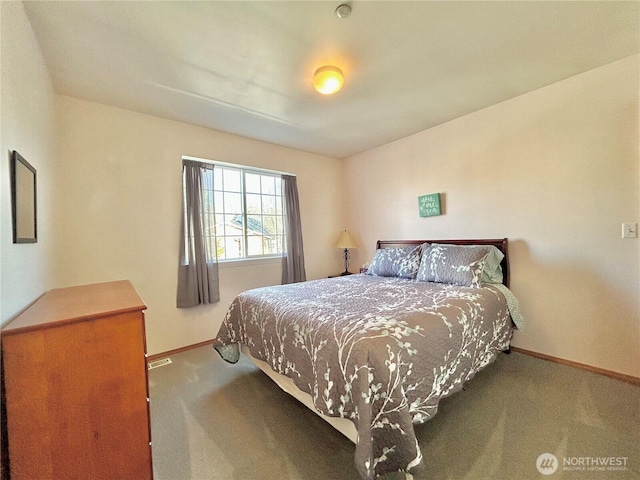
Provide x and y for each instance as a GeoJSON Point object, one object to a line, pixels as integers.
{"type": "Point", "coordinates": [232, 202]}
{"type": "Point", "coordinates": [268, 185]}
{"type": "Point", "coordinates": [279, 210]}
{"type": "Point", "coordinates": [252, 183]}
{"type": "Point", "coordinates": [269, 225]}
{"type": "Point", "coordinates": [219, 224]}
{"type": "Point", "coordinates": [254, 225]}
{"type": "Point", "coordinates": [231, 180]}
{"type": "Point", "coordinates": [219, 202]}
{"type": "Point", "coordinates": [217, 178]}
{"type": "Point", "coordinates": [271, 246]}
{"type": "Point", "coordinates": [233, 225]}
{"type": "Point", "coordinates": [278, 186]}
{"type": "Point", "coordinates": [233, 247]}
{"type": "Point", "coordinates": [254, 244]}
{"type": "Point", "coordinates": [253, 203]}
{"type": "Point", "coordinates": [268, 205]}
{"type": "Point", "coordinates": [220, 248]}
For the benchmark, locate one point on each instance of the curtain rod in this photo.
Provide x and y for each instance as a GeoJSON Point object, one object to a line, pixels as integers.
{"type": "Point", "coordinates": [236, 165]}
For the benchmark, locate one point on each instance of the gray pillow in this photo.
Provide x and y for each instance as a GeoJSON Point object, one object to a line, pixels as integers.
{"type": "Point", "coordinates": [396, 262]}
{"type": "Point", "coordinates": [458, 264]}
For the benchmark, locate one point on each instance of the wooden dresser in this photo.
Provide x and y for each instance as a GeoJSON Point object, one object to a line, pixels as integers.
{"type": "Point", "coordinates": [76, 386]}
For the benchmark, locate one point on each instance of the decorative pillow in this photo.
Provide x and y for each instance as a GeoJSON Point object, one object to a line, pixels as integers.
{"type": "Point", "coordinates": [455, 264]}
{"type": "Point", "coordinates": [396, 262]}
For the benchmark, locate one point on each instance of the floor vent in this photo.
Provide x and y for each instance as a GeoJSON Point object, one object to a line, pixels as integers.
{"type": "Point", "coordinates": [158, 363]}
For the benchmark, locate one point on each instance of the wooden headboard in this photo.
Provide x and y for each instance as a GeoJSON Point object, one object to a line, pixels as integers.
{"type": "Point", "coordinates": [501, 243]}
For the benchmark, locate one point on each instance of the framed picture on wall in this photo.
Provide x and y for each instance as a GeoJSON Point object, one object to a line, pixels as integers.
{"type": "Point", "coordinates": [23, 200]}
{"type": "Point", "coordinates": [429, 205]}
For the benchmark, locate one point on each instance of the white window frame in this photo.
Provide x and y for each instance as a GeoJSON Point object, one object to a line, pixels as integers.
{"type": "Point", "coordinates": [244, 170]}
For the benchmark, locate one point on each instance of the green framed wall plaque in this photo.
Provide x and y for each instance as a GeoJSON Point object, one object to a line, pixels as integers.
{"type": "Point", "coordinates": [429, 205]}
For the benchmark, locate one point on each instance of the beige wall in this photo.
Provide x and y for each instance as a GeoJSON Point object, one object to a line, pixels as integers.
{"type": "Point", "coordinates": [26, 125]}
{"type": "Point", "coordinates": [109, 185]}
{"type": "Point", "coordinates": [556, 171]}
{"type": "Point", "coordinates": [119, 217]}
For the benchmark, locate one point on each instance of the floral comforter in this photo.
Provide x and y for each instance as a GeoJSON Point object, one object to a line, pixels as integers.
{"type": "Point", "coordinates": [377, 350]}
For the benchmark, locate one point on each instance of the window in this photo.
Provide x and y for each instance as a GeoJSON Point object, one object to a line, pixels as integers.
{"type": "Point", "coordinates": [248, 217]}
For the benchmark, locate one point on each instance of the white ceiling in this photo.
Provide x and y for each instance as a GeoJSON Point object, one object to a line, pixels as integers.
{"type": "Point", "coordinates": [245, 67]}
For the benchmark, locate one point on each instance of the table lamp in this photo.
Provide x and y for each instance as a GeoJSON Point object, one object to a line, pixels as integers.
{"type": "Point", "coordinates": [346, 242]}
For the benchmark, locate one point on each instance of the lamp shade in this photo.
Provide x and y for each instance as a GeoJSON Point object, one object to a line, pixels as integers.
{"type": "Point", "coordinates": [328, 79]}
{"type": "Point", "coordinates": [345, 240]}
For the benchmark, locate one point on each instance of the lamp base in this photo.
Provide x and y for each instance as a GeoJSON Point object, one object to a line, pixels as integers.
{"type": "Point", "coordinates": [346, 263]}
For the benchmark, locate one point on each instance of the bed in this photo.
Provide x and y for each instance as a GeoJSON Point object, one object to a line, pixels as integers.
{"type": "Point", "coordinates": [373, 354]}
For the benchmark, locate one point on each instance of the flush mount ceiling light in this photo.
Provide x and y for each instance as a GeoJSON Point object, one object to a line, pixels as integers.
{"type": "Point", "coordinates": [343, 11]}
{"type": "Point", "coordinates": [328, 79]}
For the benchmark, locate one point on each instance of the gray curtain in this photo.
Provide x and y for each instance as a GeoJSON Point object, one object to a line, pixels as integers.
{"type": "Point", "coordinates": [293, 260]}
{"type": "Point", "coordinates": [198, 271]}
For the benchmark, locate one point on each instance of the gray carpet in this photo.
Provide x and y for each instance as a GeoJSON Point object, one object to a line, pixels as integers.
{"type": "Point", "coordinates": [215, 421]}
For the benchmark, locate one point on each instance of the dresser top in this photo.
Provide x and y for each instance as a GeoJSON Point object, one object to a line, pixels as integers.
{"type": "Point", "coordinates": [74, 304]}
